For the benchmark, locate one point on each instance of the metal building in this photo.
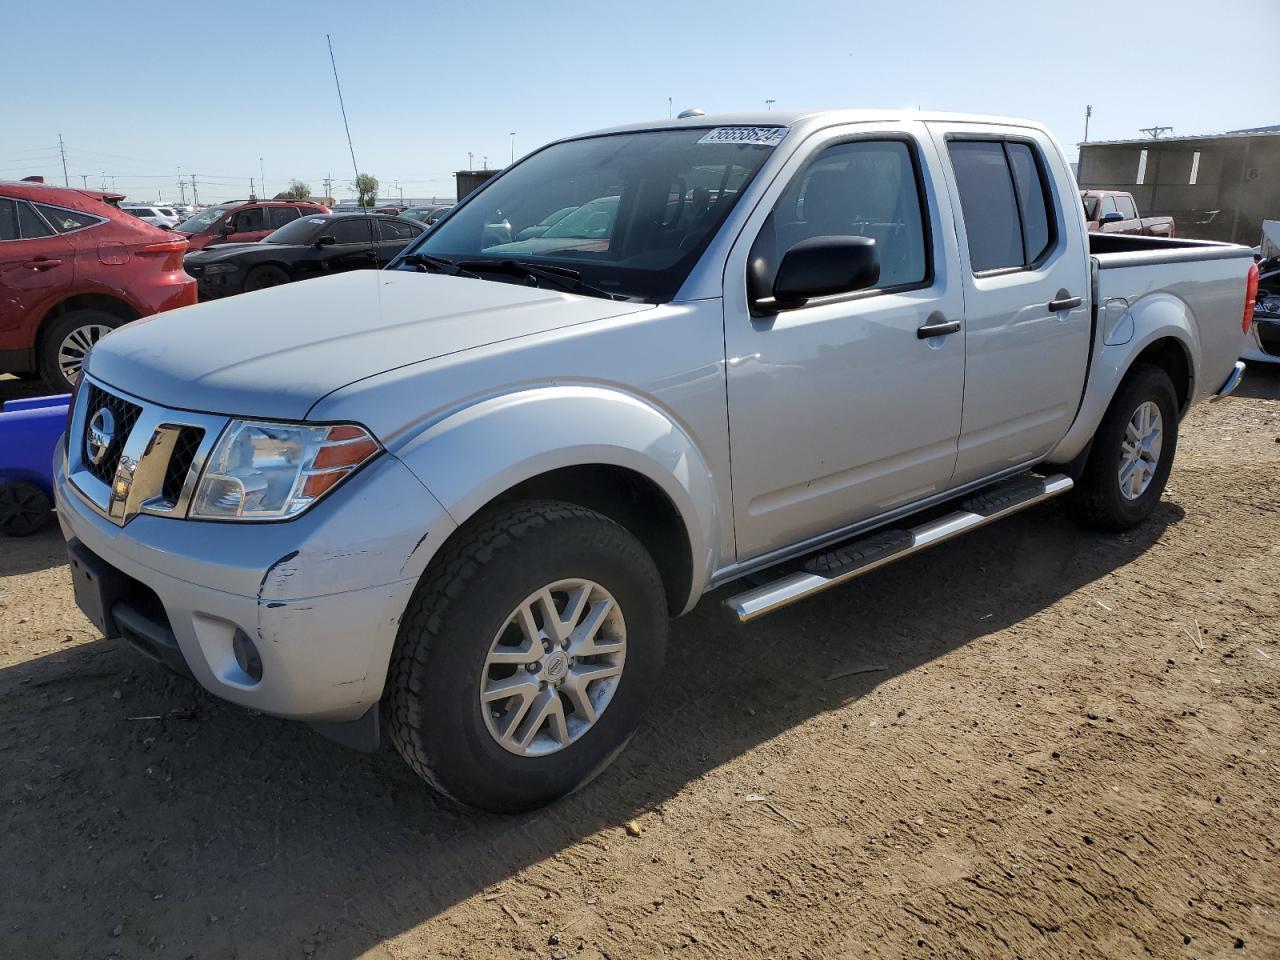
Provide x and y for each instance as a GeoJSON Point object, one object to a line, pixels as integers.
{"type": "Point", "coordinates": [468, 180]}
{"type": "Point", "coordinates": [1216, 187]}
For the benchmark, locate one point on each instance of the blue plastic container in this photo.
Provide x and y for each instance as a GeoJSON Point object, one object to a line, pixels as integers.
{"type": "Point", "coordinates": [29, 431]}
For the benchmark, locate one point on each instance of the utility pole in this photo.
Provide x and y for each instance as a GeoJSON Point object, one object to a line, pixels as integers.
{"type": "Point", "coordinates": [85, 178]}
{"type": "Point", "coordinates": [328, 185]}
{"type": "Point", "coordinates": [251, 195]}
{"type": "Point", "coordinates": [182, 187]}
{"type": "Point", "coordinates": [668, 108]}
{"type": "Point", "coordinates": [1088, 112]}
{"type": "Point", "coordinates": [195, 196]}
{"type": "Point", "coordinates": [62, 150]}
{"type": "Point", "coordinates": [486, 163]}
{"type": "Point", "coordinates": [1155, 132]}
{"type": "Point", "coordinates": [470, 160]}
{"type": "Point", "coordinates": [262, 178]}
{"type": "Point", "coordinates": [768, 104]}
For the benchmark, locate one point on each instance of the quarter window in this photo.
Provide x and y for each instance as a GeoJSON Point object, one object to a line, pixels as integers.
{"type": "Point", "coordinates": [1008, 216]}
{"type": "Point", "coordinates": [395, 230]}
{"type": "Point", "coordinates": [864, 188]}
{"type": "Point", "coordinates": [65, 221]}
{"type": "Point", "coordinates": [30, 224]}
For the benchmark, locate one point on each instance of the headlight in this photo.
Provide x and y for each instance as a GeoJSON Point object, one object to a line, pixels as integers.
{"type": "Point", "coordinates": [273, 471]}
{"type": "Point", "coordinates": [216, 268]}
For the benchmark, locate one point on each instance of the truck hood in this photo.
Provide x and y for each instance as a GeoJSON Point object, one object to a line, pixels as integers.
{"type": "Point", "coordinates": [274, 353]}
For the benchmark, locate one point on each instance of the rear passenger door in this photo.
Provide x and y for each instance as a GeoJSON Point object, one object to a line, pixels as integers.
{"type": "Point", "coordinates": [1129, 210]}
{"type": "Point", "coordinates": [843, 408]}
{"type": "Point", "coordinates": [36, 267]}
{"type": "Point", "coordinates": [1026, 293]}
{"type": "Point", "coordinates": [393, 236]}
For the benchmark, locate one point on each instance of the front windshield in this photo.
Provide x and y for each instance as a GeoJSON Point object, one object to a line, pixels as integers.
{"type": "Point", "coordinates": [635, 210]}
{"type": "Point", "coordinates": [303, 230]}
{"type": "Point", "coordinates": [202, 220]}
{"type": "Point", "coordinates": [1090, 207]}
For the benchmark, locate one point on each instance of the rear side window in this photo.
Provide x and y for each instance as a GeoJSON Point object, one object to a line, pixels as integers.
{"type": "Point", "coordinates": [1008, 217]}
{"type": "Point", "coordinates": [246, 221]}
{"type": "Point", "coordinates": [64, 221]}
{"type": "Point", "coordinates": [1126, 208]}
{"type": "Point", "coordinates": [30, 224]}
{"type": "Point", "coordinates": [8, 220]}
{"type": "Point", "coordinates": [279, 216]}
{"type": "Point", "coordinates": [1108, 205]}
{"type": "Point", "coordinates": [355, 230]}
{"type": "Point", "coordinates": [395, 230]}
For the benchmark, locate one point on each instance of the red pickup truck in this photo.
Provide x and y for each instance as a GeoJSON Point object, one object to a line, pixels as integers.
{"type": "Point", "coordinates": [1113, 211]}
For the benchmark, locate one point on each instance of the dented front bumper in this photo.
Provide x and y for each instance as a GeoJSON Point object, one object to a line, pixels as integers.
{"type": "Point", "coordinates": [320, 596]}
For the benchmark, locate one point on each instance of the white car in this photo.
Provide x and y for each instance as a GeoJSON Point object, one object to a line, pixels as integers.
{"type": "Point", "coordinates": [165, 217]}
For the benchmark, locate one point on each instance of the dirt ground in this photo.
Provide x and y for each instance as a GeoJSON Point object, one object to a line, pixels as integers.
{"type": "Point", "coordinates": [1034, 742]}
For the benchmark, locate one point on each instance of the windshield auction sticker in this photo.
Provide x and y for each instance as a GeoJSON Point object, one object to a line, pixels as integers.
{"type": "Point", "coordinates": [757, 136]}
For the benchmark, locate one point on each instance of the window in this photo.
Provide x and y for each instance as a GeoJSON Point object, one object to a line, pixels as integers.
{"type": "Point", "coordinates": [279, 216]}
{"type": "Point", "coordinates": [30, 224]}
{"type": "Point", "coordinates": [1033, 201]}
{"type": "Point", "coordinates": [8, 220]}
{"type": "Point", "coordinates": [64, 221]}
{"type": "Point", "coordinates": [247, 221]}
{"type": "Point", "coordinates": [1126, 208]}
{"type": "Point", "coordinates": [1008, 215]}
{"type": "Point", "coordinates": [395, 230]}
{"type": "Point", "coordinates": [1108, 205]}
{"type": "Point", "coordinates": [354, 230]}
{"type": "Point", "coordinates": [864, 188]}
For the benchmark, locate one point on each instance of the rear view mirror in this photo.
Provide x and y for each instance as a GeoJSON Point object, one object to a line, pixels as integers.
{"type": "Point", "coordinates": [822, 266]}
{"type": "Point", "coordinates": [326, 241]}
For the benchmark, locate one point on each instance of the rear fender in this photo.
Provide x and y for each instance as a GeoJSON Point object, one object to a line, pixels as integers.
{"type": "Point", "coordinates": [1152, 318]}
{"type": "Point", "coordinates": [473, 456]}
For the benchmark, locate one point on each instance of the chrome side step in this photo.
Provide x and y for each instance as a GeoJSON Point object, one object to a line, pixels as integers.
{"type": "Point", "coordinates": [842, 563]}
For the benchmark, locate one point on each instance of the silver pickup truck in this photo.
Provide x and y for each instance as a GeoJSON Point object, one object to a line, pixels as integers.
{"type": "Point", "coordinates": [459, 499]}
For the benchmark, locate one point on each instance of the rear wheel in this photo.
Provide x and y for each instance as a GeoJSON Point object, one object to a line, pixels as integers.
{"type": "Point", "coordinates": [66, 343]}
{"type": "Point", "coordinates": [527, 656]}
{"type": "Point", "coordinates": [1132, 453]}
{"type": "Point", "coordinates": [260, 278]}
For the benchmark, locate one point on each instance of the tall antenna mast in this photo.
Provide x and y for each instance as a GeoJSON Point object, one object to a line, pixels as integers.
{"type": "Point", "coordinates": [373, 247]}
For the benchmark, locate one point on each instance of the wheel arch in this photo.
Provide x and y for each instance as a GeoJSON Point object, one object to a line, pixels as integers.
{"type": "Point", "coordinates": [591, 446]}
{"type": "Point", "coordinates": [84, 301]}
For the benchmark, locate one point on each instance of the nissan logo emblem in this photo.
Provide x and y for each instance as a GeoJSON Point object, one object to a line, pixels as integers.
{"type": "Point", "coordinates": [102, 430]}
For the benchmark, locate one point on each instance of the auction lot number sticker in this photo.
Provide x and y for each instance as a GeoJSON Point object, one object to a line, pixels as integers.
{"type": "Point", "coordinates": [757, 136]}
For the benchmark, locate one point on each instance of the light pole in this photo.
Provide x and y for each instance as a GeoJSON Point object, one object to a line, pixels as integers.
{"type": "Point", "coordinates": [513, 146]}
{"type": "Point", "coordinates": [668, 108]}
{"type": "Point", "coordinates": [768, 104]}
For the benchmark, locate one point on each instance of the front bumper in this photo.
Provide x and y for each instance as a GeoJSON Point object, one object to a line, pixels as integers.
{"type": "Point", "coordinates": [320, 596]}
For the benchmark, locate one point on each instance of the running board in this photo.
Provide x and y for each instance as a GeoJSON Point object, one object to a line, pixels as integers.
{"type": "Point", "coordinates": [842, 563]}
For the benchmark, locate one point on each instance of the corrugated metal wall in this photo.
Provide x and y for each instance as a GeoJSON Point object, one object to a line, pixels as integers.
{"type": "Point", "coordinates": [1236, 182]}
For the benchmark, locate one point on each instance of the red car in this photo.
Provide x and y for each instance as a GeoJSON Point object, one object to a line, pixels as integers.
{"type": "Point", "coordinates": [72, 268]}
{"type": "Point", "coordinates": [243, 221]}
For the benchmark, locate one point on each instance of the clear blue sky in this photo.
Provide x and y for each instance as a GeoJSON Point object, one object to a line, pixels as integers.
{"type": "Point", "coordinates": [138, 88]}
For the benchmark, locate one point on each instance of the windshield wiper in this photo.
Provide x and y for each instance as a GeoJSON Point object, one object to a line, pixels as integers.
{"type": "Point", "coordinates": [565, 277]}
{"type": "Point", "coordinates": [440, 265]}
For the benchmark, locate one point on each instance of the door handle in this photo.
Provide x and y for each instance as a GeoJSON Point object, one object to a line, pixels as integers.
{"type": "Point", "coordinates": [937, 328]}
{"type": "Point", "coordinates": [42, 263]}
{"type": "Point", "coordinates": [1066, 303]}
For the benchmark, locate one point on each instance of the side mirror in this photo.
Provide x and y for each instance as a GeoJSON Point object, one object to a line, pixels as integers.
{"type": "Point", "coordinates": [1115, 216]}
{"type": "Point", "coordinates": [821, 266]}
{"type": "Point", "coordinates": [327, 240]}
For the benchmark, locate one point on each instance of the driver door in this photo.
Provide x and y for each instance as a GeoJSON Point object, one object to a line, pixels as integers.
{"type": "Point", "coordinates": [843, 408]}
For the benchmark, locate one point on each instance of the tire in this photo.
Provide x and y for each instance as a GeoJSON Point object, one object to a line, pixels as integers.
{"type": "Point", "coordinates": [1100, 499]}
{"type": "Point", "coordinates": [267, 275]}
{"type": "Point", "coordinates": [65, 344]}
{"type": "Point", "coordinates": [24, 509]}
{"type": "Point", "coordinates": [463, 610]}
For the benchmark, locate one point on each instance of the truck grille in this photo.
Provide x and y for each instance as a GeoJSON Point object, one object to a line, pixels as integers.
{"type": "Point", "coordinates": [184, 452]}
{"type": "Point", "coordinates": [152, 453]}
{"type": "Point", "coordinates": [125, 414]}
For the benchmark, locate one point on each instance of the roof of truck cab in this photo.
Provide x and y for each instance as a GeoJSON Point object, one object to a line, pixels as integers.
{"type": "Point", "coordinates": [815, 118]}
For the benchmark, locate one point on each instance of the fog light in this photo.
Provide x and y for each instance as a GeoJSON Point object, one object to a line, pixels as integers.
{"type": "Point", "coordinates": [247, 658]}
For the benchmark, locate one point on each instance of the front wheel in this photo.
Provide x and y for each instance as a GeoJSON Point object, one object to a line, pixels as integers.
{"type": "Point", "coordinates": [66, 344]}
{"type": "Point", "coordinates": [268, 275]}
{"type": "Point", "coordinates": [1132, 453]}
{"type": "Point", "coordinates": [526, 656]}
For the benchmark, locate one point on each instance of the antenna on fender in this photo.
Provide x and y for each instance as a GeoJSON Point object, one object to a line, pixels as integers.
{"type": "Point", "coordinates": [355, 167]}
